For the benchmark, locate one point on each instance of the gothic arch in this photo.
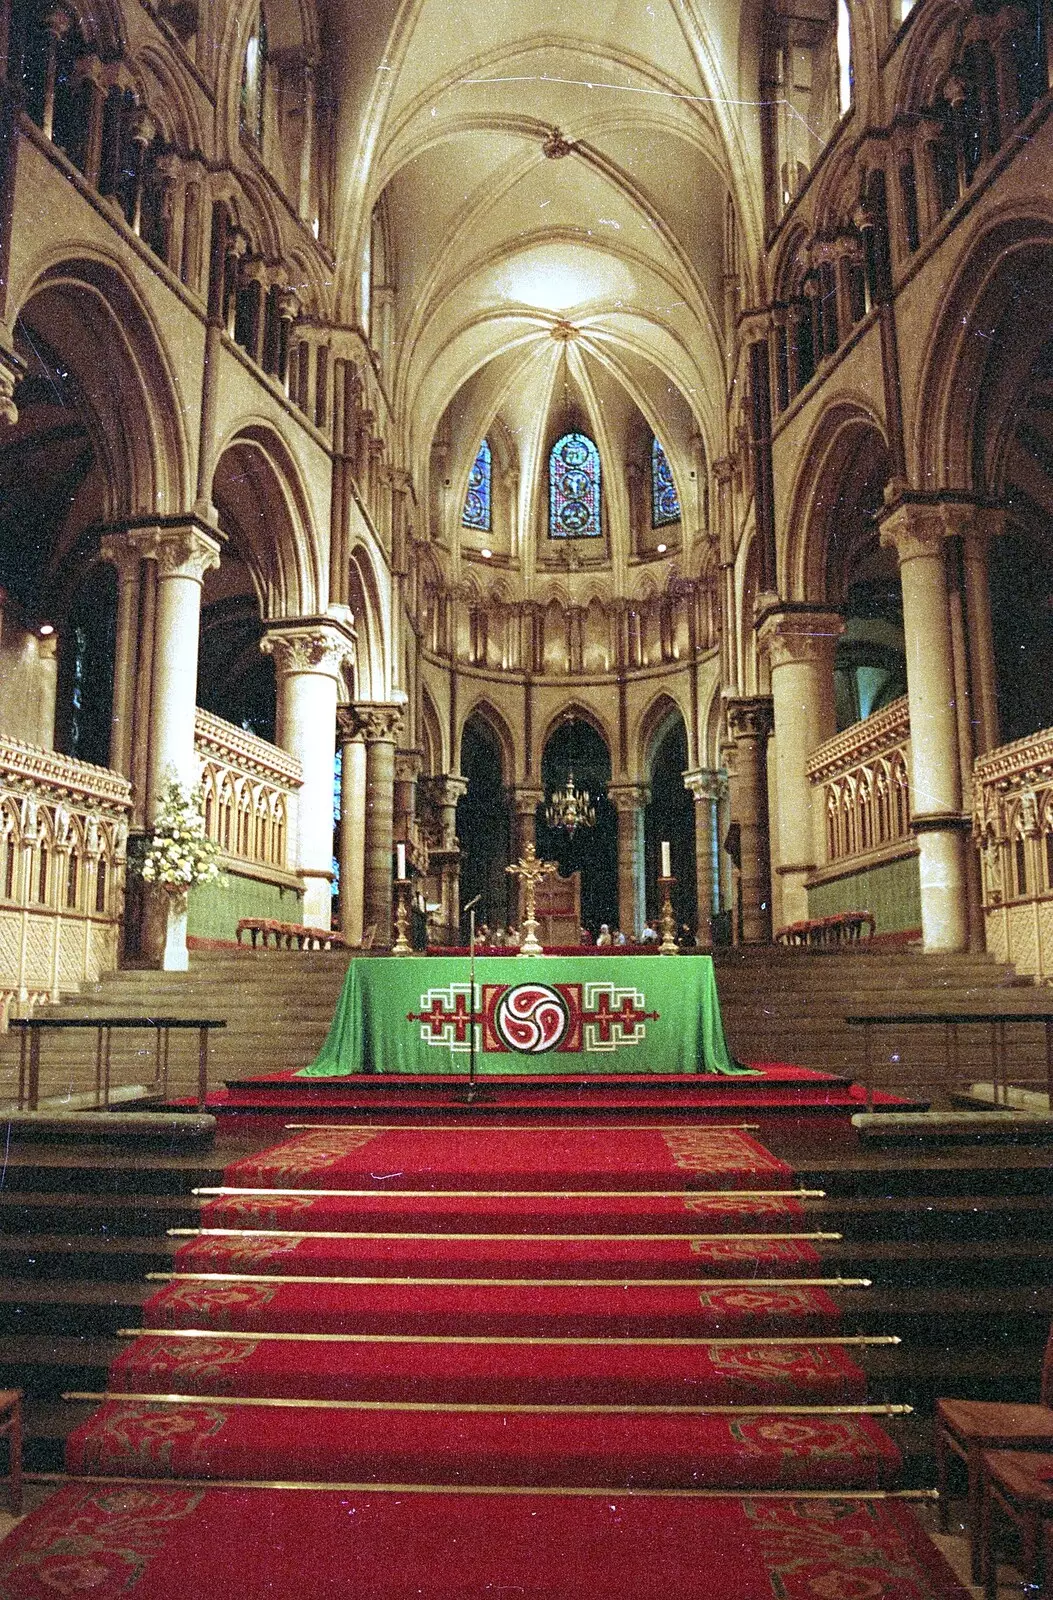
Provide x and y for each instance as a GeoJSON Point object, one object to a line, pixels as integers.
{"type": "Point", "coordinates": [662, 713]}
{"type": "Point", "coordinates": [484, 711]}
{"type": "Point", "coordinates": [366, 591]}
{"type": "Point", "coordinates": [257, 478]}
{"type": "Point", "coordinates": [431, 737]}
{"type": "Point", "coordinates": [846, 436]}
{"type": "Point", "coordinates": [88, 311]}
{"type": "Point", "coordinates": [977, 350]}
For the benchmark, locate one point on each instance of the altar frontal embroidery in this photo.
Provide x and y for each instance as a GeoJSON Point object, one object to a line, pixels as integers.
{"type": "Point", "coordinates": [535, 1018]}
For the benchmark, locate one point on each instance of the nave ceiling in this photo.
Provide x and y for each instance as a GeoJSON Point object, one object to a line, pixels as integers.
{"type": "Point", "coordinates": [527, 282]}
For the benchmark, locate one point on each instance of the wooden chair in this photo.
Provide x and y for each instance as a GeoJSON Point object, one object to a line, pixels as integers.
{"type": "Point", "coordinates": [1016, 1487]}
{"type": "Point", "coordinates": [11, 1429]}
{"type": "Point", "coordinates": [966, 1428]}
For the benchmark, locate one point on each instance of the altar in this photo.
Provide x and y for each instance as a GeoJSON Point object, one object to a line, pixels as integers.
{"type": "Point", "coordinates": [536, 1016]}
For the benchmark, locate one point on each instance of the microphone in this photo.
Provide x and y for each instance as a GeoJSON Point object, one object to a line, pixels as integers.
{"type": "Point", "coordinates": [471, 903]}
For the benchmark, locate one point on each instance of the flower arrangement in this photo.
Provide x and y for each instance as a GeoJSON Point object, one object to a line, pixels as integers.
{"type": "Point", "coordinates": [178, 852]}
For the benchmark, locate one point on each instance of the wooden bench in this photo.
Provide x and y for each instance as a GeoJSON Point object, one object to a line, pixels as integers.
{"type": "Point", "coordinates": [29, 1054]}
{"type": "Point", "coordinates": [290, 935]}
{"type": "Point", "coordinates": [843, 927]}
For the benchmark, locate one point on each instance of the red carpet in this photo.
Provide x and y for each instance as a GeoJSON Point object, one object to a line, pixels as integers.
{"type": "Point", "coordinates": [777, 1085]}
{"type": "Point", "coordinates": [480, 1211]}
{"type": "Point", "coordinates": [489, 1307]}
{"type": "Point", "coordinates": [611, 1310]}
{"type": "Point", "coordinates": [443, 1256]}
{"type": "Point", "coordinates": [574, 1449]}
{"type": "Point", "coordinates": [486, 1372]}
{"type": "Point", "coordinates": [512, 1157]}
{"type": "Point", "coordinates": [153, 1542]}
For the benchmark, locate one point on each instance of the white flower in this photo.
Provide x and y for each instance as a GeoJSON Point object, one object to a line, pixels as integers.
{"type": "Point", "coordinates": [178, 854]}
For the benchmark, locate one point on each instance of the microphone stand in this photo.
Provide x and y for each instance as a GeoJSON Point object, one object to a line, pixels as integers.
{"type": "Point", "coordinates": [472, 1090]}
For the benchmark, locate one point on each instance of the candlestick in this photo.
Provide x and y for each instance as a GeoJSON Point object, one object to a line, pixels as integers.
{"type": "Point", "coordinates": [667, 866]}
{"type": "Point", "coordinates": [402, 946]}
{"type": "Point", "coordinates": [668, 945]}
{"type": "Point", "coordinates": [400, 857]}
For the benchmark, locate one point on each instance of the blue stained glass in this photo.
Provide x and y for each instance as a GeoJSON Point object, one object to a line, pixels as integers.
{"type": "Point", "coordinates": [574, 488]}
{"type": "Point", "coordinates": [665, 503]}
{"type": "Point", "coordinates": [476, 512]}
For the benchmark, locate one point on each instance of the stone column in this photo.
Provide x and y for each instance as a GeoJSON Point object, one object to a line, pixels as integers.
{"type": "Point", "coordinates": [525, 801]}
{"type": "Point", "coordinates": [444, 790]}
{"type": "Point", "coordinates": [126, 556]}
{"type": "Point", "coordinates": [380, 724]}
{"type": "Point", "coordinates": [708, 787]}
{"type": "Point", "coordinates": [977, 527]}
{"type": "Point", "coordinates": [309, 657]}
{"type": "Point", "coordinates": [183, 555]}
{"type": "Point", "coordinates": [407, 770]}
{"type": "Point", "coordinates": [750, 723]}
{"type": "Point", "coordinates": [629, 800]}
{"type": "Point", "coordinates": [917, 532]}
{"type": "Point", "coordinates": [800, 646]}
{"type": "Point", "coordinates": [352, 824]}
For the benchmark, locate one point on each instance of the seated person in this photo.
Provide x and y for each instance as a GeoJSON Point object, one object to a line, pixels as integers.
{"type": "Point", "coordinates": [497, 938]}
{"type": "Point", "coordinates": [513, 938]}
{"type": "Point", "coordinates": [604, 935]}
{"type": "Point", "coordinates": [618, 937]}
{"type": "Point", "coordinates": [648, 934]}
{"type": "Point", "coordinates": [584, 936]}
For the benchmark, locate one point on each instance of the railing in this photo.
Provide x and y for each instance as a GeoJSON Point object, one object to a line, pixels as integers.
{"type": "Point", "coordinates": [863, 776]}
{"type": "Point", "coordinates": [63, 839]}
{"type": "Point", "coordinates": [249, 789]}
{"type": "Point", "coordinates": [1013, 828]}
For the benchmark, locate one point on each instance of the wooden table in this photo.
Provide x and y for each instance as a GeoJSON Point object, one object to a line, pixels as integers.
{"type": "Point", "coordinates": [950, 1021]}
{"type": "Point", "coordinates": [29, 1053]}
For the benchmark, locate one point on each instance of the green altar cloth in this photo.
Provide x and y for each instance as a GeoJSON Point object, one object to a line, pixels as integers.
{"type": "Point", "coordinates": [532, 1015]}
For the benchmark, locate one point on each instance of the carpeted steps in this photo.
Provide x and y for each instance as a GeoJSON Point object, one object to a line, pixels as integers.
{"type": "Point", "coordinates": [485, 1370]}
{"type": "Point", "coordinates": [153, 1541]}
{"type": "Point", "coordinates": [557, 1446]}
{"type": "Point", "coordinates": [402, 1370]}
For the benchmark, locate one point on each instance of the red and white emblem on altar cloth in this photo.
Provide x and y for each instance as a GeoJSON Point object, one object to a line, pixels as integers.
{"type": "Point", "coordinates": [535, 1018]}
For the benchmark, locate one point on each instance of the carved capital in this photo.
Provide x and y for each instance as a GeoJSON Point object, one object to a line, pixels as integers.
{"type": "Point", "coordinates": [378, 721]}
{"type": "Point", "coordinates": [12, 367]}
{"type": "Point", "coordinates": [750, 716]}
{"type": "Point", "coordinates": [526, 799]}
{"type": "Point", "coordinates": [407, 765]}
{"type": "Point", "coordinates": [314, 645]}
{"type": "Point", "coordinates": [915, 528]}
{"type": "Point", "coordinates": [180, 552]}
{"type": "Point", "coordinates": [707, 783]}
{"type": "Point", "coordinates": [793, 637]}
{"type": "Point", "coordinates": [627, 798]}
{"type": "Point", "coordinates": [445, 788]}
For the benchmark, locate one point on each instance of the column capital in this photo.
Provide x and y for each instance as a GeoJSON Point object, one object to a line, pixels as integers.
{"type": "Point", "coordinates": [408, 764]}
{"type": "Point", "coordinates": [12, 368]}
{"type": "Point", "coordinates": [754, 326]}
{"type": "Point", "coordinates": [445, 788]}
{"type": "Point", "coordinates": [628, 797]}
{"type": "Point", "coordinates": [309, 644]}
{"type": "Point", "coordinates": [379, 721]}
{"type": "Point", "coordinates": [181, 550]}
{"type": "Point", "coordinates": [526, 797]}
{"type": "Point", "coordinates": [707, 783]}
{"type": "Point", "coordinates": [795, 634]}
{"type": "Point", "coordinates": [915, 526]}
{"type": "Point", "coordinates": [749, 716]}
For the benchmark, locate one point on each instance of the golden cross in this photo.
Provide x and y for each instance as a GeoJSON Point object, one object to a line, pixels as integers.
{"type": "Point", "coordinates": [530, 870]}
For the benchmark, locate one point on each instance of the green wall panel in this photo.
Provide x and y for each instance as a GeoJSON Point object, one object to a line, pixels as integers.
{"type": "Point", "coordinates": [891, 892]}
{"type": "Point", "coordinates": [217, 908]}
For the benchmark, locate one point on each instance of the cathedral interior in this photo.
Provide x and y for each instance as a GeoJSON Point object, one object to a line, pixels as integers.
{"type": "Point", "coordinates": [403, 415]}
{"type": "Point", "coordinates": [621, 433]}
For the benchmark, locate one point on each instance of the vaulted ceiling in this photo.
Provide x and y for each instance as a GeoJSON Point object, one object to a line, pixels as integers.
{"type": "Point", "coordinates": [533, 268]}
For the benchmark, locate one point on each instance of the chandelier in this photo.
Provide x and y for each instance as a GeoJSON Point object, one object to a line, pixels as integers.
{"type": "Point", "coordinates": [569, 807]}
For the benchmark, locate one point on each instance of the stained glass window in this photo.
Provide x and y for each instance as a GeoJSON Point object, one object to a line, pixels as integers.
{"type": "Point", "coordinates": [665, 502]}
{"type": "Point", "coordinates": [476, 512]}
{"type": "Point", "coordinates": [574, 488]}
